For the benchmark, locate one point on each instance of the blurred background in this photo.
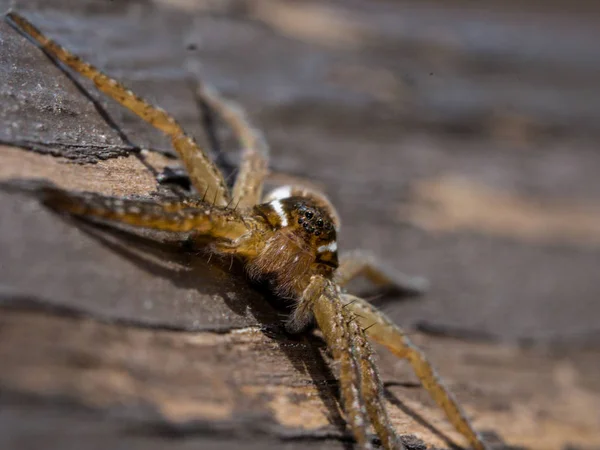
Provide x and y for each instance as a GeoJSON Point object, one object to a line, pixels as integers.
{"type": "Point", "coordinates": [459, 141]}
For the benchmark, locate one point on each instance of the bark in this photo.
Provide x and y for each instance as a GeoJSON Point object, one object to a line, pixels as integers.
{"type": "Point", "coordinates": [465, 160]}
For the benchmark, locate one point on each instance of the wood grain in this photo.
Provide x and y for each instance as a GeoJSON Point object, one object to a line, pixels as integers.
{"type": "Point", "coordinates": [110, 339]}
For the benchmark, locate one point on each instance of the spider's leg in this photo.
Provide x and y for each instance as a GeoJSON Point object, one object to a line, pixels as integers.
{"type": "Point", "coordinates": [382, 330]}
{"type": "Point", "coordinates": [321, 297]}
{"type": "Point", "coordinates": [372, 388]}
{"type": "Point", "coordinates": [253, 169]}
{"type": "Point", "coordinates": [203, 173]}
{"type": "Point", "coordinates": [177, 216]}
{"type": "Point", "coordinates": [358, 262]}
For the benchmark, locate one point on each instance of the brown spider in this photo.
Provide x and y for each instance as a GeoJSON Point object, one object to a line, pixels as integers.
{"type": "Point", "coordinates": [287, 238]}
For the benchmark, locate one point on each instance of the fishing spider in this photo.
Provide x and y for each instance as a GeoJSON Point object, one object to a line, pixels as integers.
{"type": "Point", "coordinates": [287, 238]}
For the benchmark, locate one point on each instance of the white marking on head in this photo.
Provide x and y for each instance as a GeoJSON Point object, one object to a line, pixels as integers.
{"type": "Point", "coordinates": [331, 247]}
{"type": "Point", "coordinates": [279, 193]}
{"type": "Point", "coordinates": [278, 208]}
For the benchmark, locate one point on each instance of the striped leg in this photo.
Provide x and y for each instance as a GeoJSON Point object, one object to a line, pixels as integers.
{"type": "Point", "coordinates": [248, 187]}
{"type": "Point", "coordinates": [382, 330]}
{"type": "Point", "coordinates": [322, 299]}
{"type": "Point", "coordinates": [356, 263]}
{"type": "Point", "coordinates": [197, 217]}
{"type": "Point", "coordinates": [371, 388]}
{"type": "Point", "coordinates": [203, 173]}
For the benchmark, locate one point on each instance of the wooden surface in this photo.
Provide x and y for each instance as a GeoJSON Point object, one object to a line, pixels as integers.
{"type": "Point", "coordinates": [452, 150]}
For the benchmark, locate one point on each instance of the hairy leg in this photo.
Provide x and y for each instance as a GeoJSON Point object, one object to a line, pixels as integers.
{"type": "Point", "coordinates": [322, 298]}
{"type": "Point", "coordinates": [203, 173]}
{"type": "Point", "coordinates": [382, 330]}
{"type": "Point", "coordinates": [372, 388]}
{"type": "Point", "coordinates": [358, 262]}
{"type": "Point", "coordinates": [253, 169]}
{"type": "Point", "coordinates": [195, 216]}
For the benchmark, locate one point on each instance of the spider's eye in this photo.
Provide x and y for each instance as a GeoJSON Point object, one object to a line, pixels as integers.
{"type": "Point", "coordinates": [308, 214]}
{"type": "Point", "coordinates": [300, 220]}
{"type": "Point", "coordinates": [317, 233]}
{"type": "Point", "coordinates": [327, 226]}
{"type": "Point", "coordinates": [319, 222]}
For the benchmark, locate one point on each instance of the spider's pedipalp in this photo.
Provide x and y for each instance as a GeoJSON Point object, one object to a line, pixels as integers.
{"type": "Point", "coordinates": [253, 168]}
{"type": "Point", "coordinates": [383, 331]}
{"type": "Point", "coordinates": [203, 173]}
{"type": "Point", "coordinates": [322, 297]}
{"type": "Point", "coordinates": [358, 262]}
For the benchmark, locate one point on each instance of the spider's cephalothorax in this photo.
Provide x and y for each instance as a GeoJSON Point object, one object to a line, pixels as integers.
{"type": "Point", "coordinates": [287, 238]}
{"type": "Point", "coordinates": [302, 243]}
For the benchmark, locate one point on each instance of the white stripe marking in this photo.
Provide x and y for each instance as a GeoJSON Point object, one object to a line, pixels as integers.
{"type": "Point", "coordinates": [280, 193]}
{"type": "Point", "coordinates": [278, 207]}
{"type": "Point", "coordinates": [331, 247]}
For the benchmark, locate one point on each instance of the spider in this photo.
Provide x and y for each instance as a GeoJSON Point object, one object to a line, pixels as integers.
{"type": "Point", "coordinates": [287, 238]}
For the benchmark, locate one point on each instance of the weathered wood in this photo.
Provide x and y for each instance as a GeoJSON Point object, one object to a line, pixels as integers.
{"type": "Point", "coordinates": [109, 339]}
{"type": "Point", "coordinates": [264, 382]}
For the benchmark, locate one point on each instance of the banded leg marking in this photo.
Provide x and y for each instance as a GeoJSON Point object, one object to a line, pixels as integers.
{"type": "Point", "coordinates": [169, 216]}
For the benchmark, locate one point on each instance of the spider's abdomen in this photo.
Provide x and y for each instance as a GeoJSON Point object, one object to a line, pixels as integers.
{"type": "Point", "coordinates": [302, 243]}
